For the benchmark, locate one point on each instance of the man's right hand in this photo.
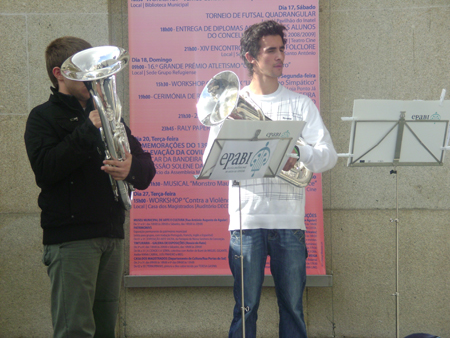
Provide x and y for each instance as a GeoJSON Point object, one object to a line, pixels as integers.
{"type": "Point", "coordinates": [95, 118]}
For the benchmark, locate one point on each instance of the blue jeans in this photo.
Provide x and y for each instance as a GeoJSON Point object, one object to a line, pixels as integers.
{"type": "Point", "coordinates": [85, 281]}
{"type": "Point", "coordinates": [288, 253]}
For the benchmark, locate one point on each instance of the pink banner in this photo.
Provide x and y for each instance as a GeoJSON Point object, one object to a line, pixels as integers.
{"type": "Point", "coordinates": [179, 226]}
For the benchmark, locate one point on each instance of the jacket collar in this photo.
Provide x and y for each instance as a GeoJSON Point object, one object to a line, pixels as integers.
{"type": "Point", "coordinates": [70, 101]}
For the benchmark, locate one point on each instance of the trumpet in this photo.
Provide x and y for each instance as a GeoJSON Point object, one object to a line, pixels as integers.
{"type": "Point", "coordinates": [221, 99]}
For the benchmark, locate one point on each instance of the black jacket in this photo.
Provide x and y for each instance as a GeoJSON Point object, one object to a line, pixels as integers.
{"type": "Point", "coordinates": [66, 152]}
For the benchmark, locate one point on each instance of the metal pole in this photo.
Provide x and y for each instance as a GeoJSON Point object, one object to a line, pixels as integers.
{"type": "Point", "coordinates": [396, 294]}
{"type": "Point", "coordinates": [242, 266]}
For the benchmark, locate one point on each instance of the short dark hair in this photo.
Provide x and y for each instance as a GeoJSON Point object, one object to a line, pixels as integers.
{"type": "Point", "coordinates": [60, 50]}
{"type": "Point", "coordinates": [251, 39]}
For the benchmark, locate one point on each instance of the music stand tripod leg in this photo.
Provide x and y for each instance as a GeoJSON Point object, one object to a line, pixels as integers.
{"type": "Point", "coordinates": [243, 308]}
{"type": "Point", "coordinates": [397, 293]}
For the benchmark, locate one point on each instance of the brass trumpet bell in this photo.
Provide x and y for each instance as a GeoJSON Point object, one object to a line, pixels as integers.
{"type": "Point", "coordinates": [220, 100]}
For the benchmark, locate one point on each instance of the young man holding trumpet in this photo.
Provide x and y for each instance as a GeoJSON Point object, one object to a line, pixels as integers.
{"type": "Point", "coordinates": [272, 210]}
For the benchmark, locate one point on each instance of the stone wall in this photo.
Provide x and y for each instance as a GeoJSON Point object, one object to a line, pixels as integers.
{"type": "Point", "coordinates": [369, 49]}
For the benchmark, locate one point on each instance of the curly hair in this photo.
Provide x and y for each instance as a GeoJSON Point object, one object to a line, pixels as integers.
{"type": "Point", "coordinates": [250, 41]}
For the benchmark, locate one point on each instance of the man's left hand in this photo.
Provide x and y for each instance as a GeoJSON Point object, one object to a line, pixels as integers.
{"type": "Point", "coordinates": [119, 170]}
{"type": "Point", "coordinates": [290, 162]}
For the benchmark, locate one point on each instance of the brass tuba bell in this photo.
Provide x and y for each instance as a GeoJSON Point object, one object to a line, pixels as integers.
{"type": "Point", "coordinates": [221, 99]}
{"type": "Point", "coordinates": [97, 67]}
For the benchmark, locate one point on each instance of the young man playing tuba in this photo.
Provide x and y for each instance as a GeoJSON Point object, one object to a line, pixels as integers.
{"type": "Point", "coordinates": [81, 220]}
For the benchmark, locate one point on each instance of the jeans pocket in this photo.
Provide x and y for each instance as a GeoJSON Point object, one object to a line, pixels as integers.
{"type": "Point", "coordinates": [46, 255]}
{"type": "Point", "coordinates": [300, 236]}
{"type": "Point", "coordinates": [235, 237]}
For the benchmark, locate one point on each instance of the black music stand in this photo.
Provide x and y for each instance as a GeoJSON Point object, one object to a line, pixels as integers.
{"type": "Point", "coordinates": [393, 142]}
{"type": "Point", "coordinates": [266, 145]}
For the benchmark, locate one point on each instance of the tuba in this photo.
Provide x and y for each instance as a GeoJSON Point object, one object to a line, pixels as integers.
{"type": "Point", "coordinates": [97, 67]}
{"type": "Point", "coordinates": [221, 99]}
